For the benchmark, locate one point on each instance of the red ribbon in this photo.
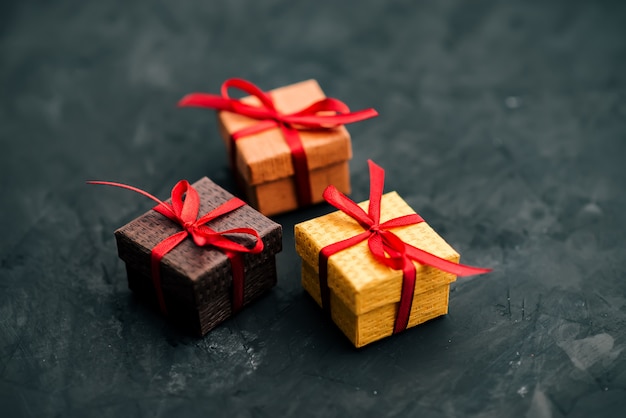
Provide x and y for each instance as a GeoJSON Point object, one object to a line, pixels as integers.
{"type": "Point", "coordinates": [289, 123]}
{"type": "Point", "coordinates": [386, 247]}
{"type": "Point", "coordinates": [184, 211]}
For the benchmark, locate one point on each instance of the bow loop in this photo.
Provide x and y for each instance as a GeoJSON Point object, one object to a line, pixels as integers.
{"type": "Point", "coordinates": [324, 107]}
{"type": "Point", "coordinates": [249, 88]}
{"type": "Point", "coordinates": [347, 206]}
{"type": "Point", "coordinates": [405, 220]}
{"type": "Point", "coordinates": [185, 202]}
{"type": "Point", "coordinates": [207, 236]}
{"type": "Point", "coordinates": [377, 182]}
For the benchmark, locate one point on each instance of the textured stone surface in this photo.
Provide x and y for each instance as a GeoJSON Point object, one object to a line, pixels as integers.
{"type": "Point", "coordinates": [502, 123]}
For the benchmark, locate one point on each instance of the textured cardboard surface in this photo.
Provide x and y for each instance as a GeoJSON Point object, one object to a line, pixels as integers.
{"type": "Point", "coordinates": [279, 196]}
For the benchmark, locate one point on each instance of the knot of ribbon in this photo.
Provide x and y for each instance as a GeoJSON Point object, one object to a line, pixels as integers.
{"type": "Point", "coordinates": [323, 114]}
{"type": "Point", "coordinates": [184, 211]}
{"type": "Point", "coordinates": [385, 246]}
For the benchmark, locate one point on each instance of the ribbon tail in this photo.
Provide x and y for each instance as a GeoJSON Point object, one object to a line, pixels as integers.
{"type": "Point", "coordinates": [329, 121]}
{"type": "Point", "coordinates": [162, 207]}
{"type": "Point", "coordinates": [157, 254]}
{"type": "Point", "coordinates": [424, 257]}
{"type": "Point", "coordinates": [324, 105]}
{"type": "Point", "coordinates": [210, 101]}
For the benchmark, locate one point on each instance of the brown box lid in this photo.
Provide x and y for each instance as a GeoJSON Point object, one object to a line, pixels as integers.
{"type": "Point", "coordinates": [206, 270]}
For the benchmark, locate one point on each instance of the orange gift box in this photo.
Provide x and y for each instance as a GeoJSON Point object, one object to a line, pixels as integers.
{"type": "Point", "coordinates": [263, 159]}
{"type": "Point", "coordinates": [365, 294]}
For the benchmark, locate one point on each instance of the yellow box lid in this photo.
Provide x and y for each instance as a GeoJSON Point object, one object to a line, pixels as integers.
{"type": "Point", "coordinates": [354, 275]}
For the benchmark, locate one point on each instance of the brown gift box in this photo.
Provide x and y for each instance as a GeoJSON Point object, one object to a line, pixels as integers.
{"type": "Point", "coordinates": [263, 165]}
{"type": "Point", "coordinates": [197, 281]}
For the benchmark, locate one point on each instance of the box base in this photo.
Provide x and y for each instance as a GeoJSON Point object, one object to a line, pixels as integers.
{"type": "Point", "coordinates": [377, 323]}
{"type": "Point", "coordinates": [279, 196]}
{"type": "Point", "coordinates": [182, 301]}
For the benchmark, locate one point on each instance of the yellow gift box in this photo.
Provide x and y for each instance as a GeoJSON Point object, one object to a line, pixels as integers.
{"type": "Point", "coordinates": [376, 267]}
{"type": "Point", "coordinates": [365, 293]}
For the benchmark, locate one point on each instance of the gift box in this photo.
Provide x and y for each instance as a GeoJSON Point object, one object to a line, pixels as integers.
{"type": "Point", "coordinates": [371, 275]}
{"type": "Point", "coordinates": [222, 257]}
{"type": "Point", "coordinates": [285, 145]}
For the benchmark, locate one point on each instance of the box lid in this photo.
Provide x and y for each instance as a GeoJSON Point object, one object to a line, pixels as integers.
{"type": "Point", "coordinates": [196, 266]}
{"type": "Point", "coordinates": [265, 156]}
{"type": "Point", "coordinates": [354, 275]}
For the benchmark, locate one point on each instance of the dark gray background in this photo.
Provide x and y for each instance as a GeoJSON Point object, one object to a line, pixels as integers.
{"type": "Point", "coordinates": [502, 123]}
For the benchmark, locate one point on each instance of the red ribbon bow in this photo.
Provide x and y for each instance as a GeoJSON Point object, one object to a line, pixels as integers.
{"type": "Point", "coordinates": [269, 117]}
{"type": "Point", "coordinates": [386, 247]}
{"type": "Point", "coordinates": [184, 211]}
